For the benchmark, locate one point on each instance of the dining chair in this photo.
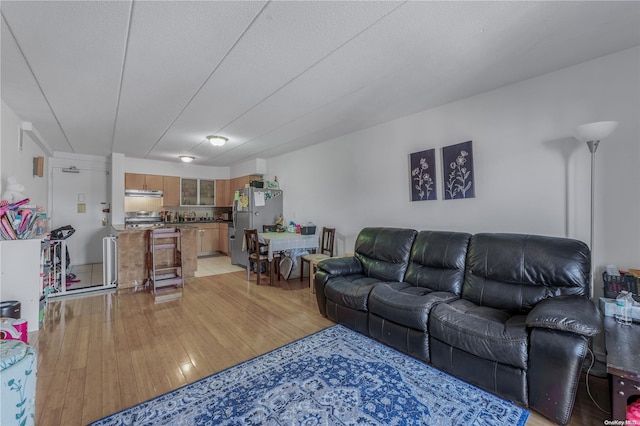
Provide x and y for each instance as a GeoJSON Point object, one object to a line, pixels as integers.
{"type": "Point", "coordinates": [277, 255]}
{"type": "Point", "coordinates": [255, 255]}
{"type": "Point", "coordinates": [326, 251]}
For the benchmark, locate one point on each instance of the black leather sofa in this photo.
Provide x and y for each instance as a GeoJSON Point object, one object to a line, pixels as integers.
{"type": "Point", "coordinates": [507, 312]}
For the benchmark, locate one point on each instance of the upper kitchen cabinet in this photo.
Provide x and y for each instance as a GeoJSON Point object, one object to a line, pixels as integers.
{"type": "Point", "coordinates": [206, 192]}
{"type": "Point", "coordinates": [224, 195]}
{"type": "Point", "coordinates": [226, 188]}
{"type": "Point", "coordinates": [197, 192]}
{"type": "Point", "coordinates": [189, 191]}
{"type": "Point", "coordinates": [140, 181]}
{"type": "Point", "coordinates": [171, 191]}
{"type": "Point", "coordinates": [242, 182]}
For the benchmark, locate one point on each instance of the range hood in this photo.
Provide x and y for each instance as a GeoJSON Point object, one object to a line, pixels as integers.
{"type": "Point", "coordinates": [142, 193]}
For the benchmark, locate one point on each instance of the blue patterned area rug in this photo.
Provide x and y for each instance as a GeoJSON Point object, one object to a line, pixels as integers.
{"type": "Point", "coordinates": [333, 377]}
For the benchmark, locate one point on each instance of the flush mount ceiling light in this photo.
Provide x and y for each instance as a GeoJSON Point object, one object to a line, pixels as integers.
{"type": "Point", "coordinates": [187, 158]}
{"type": "Point", "coordinates": [216, 140]}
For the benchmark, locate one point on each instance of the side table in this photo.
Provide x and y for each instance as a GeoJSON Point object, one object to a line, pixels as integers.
{"type": "Point", "coordinates": [623, 363]}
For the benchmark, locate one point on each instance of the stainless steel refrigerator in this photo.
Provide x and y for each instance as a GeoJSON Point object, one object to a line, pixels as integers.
{"type": "Point", "coordinates": [252, 208]}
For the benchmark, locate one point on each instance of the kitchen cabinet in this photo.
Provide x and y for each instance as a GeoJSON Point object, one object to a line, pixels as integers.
{"type": "Point", "coordinates": [189, 192]}
{"type": "Point", "coordinates": [224, 195]}
{"type": "Point", "coordinates": [141, 181]}
{"type": "Point", "coordinates": [133, 245]}
{"type": "Point", "coordinates": [134, 181]}
{"type": "Point", "coordinates": [225, 189]}
{"type": "Point", "coordinates": [223, 238]}
{"type": "Point", "coordinates": [197, 192]}
{"type": "Point", "coordinates": [171, 191]}
{"type": "Point", "coordinates": [243, 181]}
{"type": "Point", "coordinates": [208, 238]}
{"type": "Point", "coordinates": [206, 192]}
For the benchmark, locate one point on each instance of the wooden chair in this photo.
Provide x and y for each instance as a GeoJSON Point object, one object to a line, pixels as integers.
{"type": "Point", "coordinates": [326, 251]}
{"type": "Point", "coordinates": [277, 256]}
{"type": "Point", "coordinates": [255, 255]}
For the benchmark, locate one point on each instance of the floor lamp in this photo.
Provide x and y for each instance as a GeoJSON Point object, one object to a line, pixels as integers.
{"type": "Point", "coordinates": [592, 134]}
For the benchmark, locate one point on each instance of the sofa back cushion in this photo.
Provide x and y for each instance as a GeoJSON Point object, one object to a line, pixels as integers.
{"type": "Point", "coordinates": [514, 272]}
{"type": "Point", "coordinates": [437, 260]}
{"type": "Point", "coordinates": [384, 252]}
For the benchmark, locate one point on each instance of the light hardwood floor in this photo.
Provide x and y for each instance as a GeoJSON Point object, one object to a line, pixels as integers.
{"type": "Point", "coordinates": [100, 354]}
{"type": "Point", "coordinates": [216, 264]}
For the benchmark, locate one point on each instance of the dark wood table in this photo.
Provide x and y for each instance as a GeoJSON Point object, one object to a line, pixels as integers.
{"type": "Point", "coordinates": [623, 363]}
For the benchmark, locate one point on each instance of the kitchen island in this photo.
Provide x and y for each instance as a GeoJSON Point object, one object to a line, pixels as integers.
{"type": "Point", "coordinates": [133, 245]}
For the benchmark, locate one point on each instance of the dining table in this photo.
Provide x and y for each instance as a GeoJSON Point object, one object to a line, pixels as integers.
{"type": "Point", "coordinates": [283, 241]}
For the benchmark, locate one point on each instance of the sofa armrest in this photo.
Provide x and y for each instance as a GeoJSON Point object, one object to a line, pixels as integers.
{"type": "Point", "coordinates": [340, 266]}
{"type": "Point", "coordinates": [575, 314]}
{"type": "Point", "coordinates": [329, 268]}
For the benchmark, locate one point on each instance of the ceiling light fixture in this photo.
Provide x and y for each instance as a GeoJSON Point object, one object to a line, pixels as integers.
{"type": "Point", "coordinates": [187, 158]}
{"type": "Point", "coordinates": [216, 140]}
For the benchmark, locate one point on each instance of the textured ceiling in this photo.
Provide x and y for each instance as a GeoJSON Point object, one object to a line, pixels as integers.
{"type": "Point", "coordinates": [152, 79]}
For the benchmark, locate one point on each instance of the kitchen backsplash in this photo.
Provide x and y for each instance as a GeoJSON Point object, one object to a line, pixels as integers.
{"type": "Point", "coordinates": [202, 212]}
{"type": "Point", "coordinates": [134, 204]}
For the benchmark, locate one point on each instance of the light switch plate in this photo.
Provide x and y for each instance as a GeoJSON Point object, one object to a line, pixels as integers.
{"type": "Point", "coordinates": [82, 208]}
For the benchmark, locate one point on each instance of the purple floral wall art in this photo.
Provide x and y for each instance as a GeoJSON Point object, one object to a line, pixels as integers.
{"type": "Point", "coordinates": [423, 175]}
{"type": "Point", "coordinates": [457, 165]}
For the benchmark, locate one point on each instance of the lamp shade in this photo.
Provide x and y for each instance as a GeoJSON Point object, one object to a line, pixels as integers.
{"type": "Point", "coordinates": [595, 131]}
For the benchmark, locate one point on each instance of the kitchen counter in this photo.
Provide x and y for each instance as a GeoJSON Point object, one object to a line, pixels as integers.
{"type": "Point", "coordinates": [195, 222]}
{"type": "Point", "coordinates": [123, 228]}
{"type": "Point", "coordinates": [133, 245]}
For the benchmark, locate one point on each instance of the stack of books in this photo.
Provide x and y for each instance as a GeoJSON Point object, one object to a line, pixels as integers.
{"type": "Point", "coordinates": [17, 221]}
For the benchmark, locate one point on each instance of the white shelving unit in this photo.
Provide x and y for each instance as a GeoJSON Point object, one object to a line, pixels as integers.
{"type": "Point", "coordinates": [20, 277]}
{"type": "Point", "coordinates": [54, 267]}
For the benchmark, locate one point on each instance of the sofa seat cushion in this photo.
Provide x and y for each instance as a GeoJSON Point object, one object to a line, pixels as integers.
{"type": "Point", "coordinates": [351, 291]}
{"type": "Point", "coordinates": [483, 331]}
{"type": "Point", "coordinates": [406, 304]}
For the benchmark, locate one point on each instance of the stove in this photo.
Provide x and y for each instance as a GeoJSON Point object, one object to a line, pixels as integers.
{"type": "Point", "coordinates": [142, 219]}
{"type": "Point", "coordinates": [142, 225]}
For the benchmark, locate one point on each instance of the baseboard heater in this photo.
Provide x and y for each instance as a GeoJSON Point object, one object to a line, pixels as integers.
{"type": "Point", "coordinates": [110, 260]}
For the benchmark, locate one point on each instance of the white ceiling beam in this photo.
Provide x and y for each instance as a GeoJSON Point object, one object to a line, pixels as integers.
{"type": "Point", "coordinates": [36, 137]}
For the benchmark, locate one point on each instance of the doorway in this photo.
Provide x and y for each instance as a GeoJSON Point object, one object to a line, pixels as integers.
{"type": "Point", "coordinates": [78, 198]}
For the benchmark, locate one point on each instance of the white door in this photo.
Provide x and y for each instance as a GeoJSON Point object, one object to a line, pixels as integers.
{"type": "Point", "coordinates": [77, 200]}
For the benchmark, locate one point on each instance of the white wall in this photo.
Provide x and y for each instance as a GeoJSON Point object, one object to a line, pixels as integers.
{"type": "Point", "coordinates": [65, 190]}
{"type": "Point", "coordinates": [117, 187]}
{"type": "Point", "coordinates": [81, 161]}
{"type": "Point", "coordinates": [531, 175]}
{"type": "Point", "coordinates": [14, 162]}
{"type": "Point", "coordinates": [251, 167]}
